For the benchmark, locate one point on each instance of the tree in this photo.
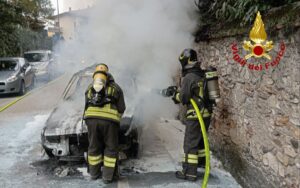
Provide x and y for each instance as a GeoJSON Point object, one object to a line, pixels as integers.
{"type": "Point", "coordinates": [33, 11]}
{"type": "Point", "coordinates": [21, 26]}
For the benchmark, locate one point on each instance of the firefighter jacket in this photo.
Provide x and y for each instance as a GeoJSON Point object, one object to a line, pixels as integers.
{"type": "Point", "coordinates": [111, 105]}
{"type": "Point", "coordinates": [193, 85]}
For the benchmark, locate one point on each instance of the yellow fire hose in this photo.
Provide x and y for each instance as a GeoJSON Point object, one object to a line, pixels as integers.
{"type": "Point", "coordinates": [206, 144]}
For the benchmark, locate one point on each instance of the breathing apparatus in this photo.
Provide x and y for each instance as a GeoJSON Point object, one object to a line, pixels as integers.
{"type": "Point", "coordinates": [211, 77]}
{"type": "Point", "coordinates": [99, 83]}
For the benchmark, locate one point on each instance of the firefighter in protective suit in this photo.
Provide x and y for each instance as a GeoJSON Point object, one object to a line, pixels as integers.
{"type": "Point", "coordinates": [192, 86]}
{"type": "Point", "coordinates": [103, 110]}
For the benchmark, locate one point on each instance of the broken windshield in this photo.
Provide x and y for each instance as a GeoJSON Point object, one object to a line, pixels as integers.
{"type": "Point", "coordinates": [77, 87]}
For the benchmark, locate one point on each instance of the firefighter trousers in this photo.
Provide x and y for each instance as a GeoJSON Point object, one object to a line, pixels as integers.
{"type": "Point", "coordinates": [103, 148]}
{"type": "Point", "coordinates": [193, 147]}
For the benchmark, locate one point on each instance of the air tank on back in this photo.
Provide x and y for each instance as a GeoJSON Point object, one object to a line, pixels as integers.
{"type": "Point", "coordinates": [211, 76]}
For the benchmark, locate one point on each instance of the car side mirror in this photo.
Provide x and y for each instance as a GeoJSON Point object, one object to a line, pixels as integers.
{"type": "Point", "coordinates": [23, 68]}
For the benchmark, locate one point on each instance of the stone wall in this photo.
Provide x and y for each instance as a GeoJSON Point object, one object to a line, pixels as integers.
{"type": "Point", "coordinates": [256, 127]}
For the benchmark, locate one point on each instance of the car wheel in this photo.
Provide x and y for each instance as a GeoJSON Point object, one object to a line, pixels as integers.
{"type": "Point", "coordinates": [22, 89]}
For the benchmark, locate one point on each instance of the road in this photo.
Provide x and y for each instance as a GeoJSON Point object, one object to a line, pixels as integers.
{"type": "Point", "coordinates": [23, 163]}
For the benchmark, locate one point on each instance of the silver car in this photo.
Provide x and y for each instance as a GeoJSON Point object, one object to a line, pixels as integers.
{"type": "Point", "coordinates": [16, 75]}
{"type": "Point", "coordinates": [41, 61]}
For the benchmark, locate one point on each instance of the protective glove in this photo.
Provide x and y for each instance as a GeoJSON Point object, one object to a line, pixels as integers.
{"type": "Point", "coordinates": [174, 98]}
{"type": "Point", "coordinates": [170, 91]}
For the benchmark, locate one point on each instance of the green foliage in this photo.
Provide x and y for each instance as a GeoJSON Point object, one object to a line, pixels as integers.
{"type": "Point", "coordinates": [33, 10]}
{"type": "Point", "coordinates": [18, 41]}
{"type": "Point", "coordinates": [219, 13]}
{"type": "Point", "coordinates": [227, 11]}
{"type": "Point", "coordinates": [21, 28]}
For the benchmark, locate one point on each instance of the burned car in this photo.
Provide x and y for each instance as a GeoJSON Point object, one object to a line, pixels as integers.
{"type": "Point", "coordinates": [65, 134]}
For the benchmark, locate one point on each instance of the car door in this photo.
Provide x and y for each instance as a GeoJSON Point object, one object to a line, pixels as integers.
{"type": "Point", "coordinates": [28, 73]}
{"type": "Point", "coordinates": [23, 70]}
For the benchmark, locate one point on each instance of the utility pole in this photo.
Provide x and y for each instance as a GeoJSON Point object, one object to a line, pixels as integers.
{"type": "Point", "coordinates": [58, 17]}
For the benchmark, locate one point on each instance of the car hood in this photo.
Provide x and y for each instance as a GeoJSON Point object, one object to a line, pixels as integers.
{"type": "Point", "coordinates": [66, 119]}
{"type": "Point", "coordinates": [5, 74]}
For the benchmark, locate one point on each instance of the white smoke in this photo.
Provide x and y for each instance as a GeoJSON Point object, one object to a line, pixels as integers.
{"type": "Point", "coordinates": [140, 38]}
{"type": "Point", "coordinates": [76, 4]}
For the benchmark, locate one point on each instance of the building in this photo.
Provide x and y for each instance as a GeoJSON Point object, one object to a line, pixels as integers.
{"type": "Point", "coordinates": [69, 22]}
{"type": "Point", "coordinates": [77, 4]}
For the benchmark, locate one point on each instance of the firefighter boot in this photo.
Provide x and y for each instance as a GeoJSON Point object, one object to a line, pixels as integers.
{"type": "Point", "coordinates": [107, 181]}
{"type": "Point", "coordinates": [185, 173]}
{"type": "Point", "coordinates": [116, 173]}
{"type": "Point", "coordinates": [181, 175]}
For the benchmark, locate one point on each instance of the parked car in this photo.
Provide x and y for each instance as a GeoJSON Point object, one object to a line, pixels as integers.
{"type": "Point", "coordinates": [16, 75]}
{"type": "Point", "coordinates": [41, 61]}
{"type": "Point", "coordinates": [65, 135]}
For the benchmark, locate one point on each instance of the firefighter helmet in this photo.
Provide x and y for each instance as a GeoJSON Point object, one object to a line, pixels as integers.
{"type": "Point", "coordinates": [102, 67]}
{"type": "Point", "coordinates": [188, 58]}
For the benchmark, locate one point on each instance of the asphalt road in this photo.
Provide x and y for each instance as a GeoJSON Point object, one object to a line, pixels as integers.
{"type": "Point", "coordinates": [23, 163]}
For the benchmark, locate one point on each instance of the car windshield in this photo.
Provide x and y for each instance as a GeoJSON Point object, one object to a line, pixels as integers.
{"type": "Point", "coordinates": [8, 65]}
{"type": "Point", "coordinates": [77, 87]}
{"type": "Point", "coordinates": [36, 57]}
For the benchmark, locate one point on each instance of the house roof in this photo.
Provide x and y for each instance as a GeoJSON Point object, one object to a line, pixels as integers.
{"type": "Point", "coordinates": [74, 13]}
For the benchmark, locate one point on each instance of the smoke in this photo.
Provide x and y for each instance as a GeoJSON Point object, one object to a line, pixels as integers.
{"type": "Point", "coordinates": [77, 4]}
{"type": "Point", "coordinates": [141, 39]}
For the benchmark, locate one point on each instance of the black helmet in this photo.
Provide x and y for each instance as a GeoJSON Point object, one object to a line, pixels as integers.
{"type": "Point", "coordinates": [188, 58]}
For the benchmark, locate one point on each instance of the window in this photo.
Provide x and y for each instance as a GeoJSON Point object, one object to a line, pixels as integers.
{"type": "Point", "coordinates": [36, 57]}
{"type": "Point", "coordinates": [8, 65]}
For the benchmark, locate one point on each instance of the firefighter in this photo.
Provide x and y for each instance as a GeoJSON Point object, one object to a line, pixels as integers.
{"type": "Point", "coordinates": [103, 110]}
{"type": "Point", "coordinates": [192, 86]}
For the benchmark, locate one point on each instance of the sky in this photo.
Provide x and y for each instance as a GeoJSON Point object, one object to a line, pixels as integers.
{"type": "Point", "coordinates": [54, 3]}
{"type": "Point", "coordinates": [74, 4]}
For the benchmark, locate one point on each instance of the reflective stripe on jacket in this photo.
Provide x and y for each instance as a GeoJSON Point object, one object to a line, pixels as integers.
{"type": "Point", "coordinates": [104, 112]}
{"type": "Point", "coordinates": [110, 111]}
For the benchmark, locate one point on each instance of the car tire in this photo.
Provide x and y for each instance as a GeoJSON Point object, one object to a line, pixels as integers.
{"type": "Point", "coordinates": [22, 89]}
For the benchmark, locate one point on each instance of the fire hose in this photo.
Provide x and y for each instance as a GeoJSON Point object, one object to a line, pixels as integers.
{"type": "Point", "coordinates": [206, 144]}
